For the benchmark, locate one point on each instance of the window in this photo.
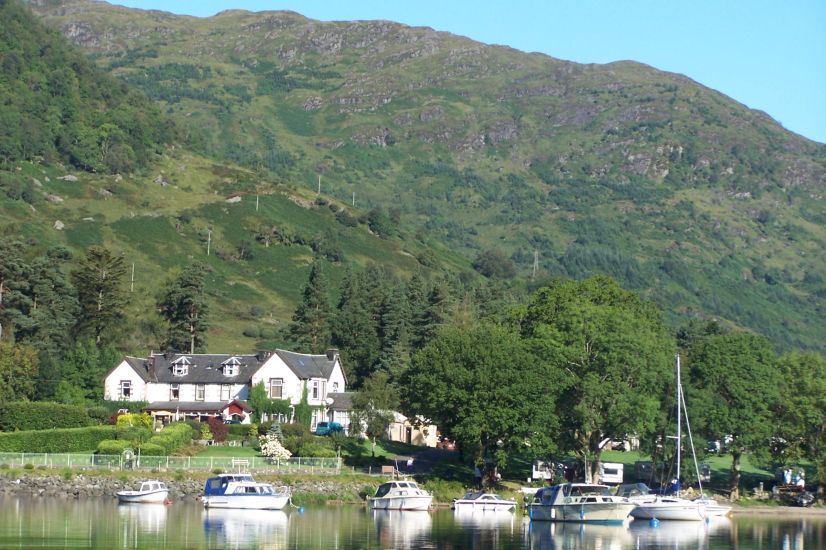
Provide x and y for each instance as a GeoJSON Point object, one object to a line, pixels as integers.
{"type": "Point", "coordinates": [180, 366]}
{"type": "Point", "coordinates": [174, 392]}
{"type": "Point", "coordinates": [276, 388]}
{"type": "Point", "coordinates": [231, 366]}
{"type": "Point", "coordinates": [225, 392]}
{"type": "Point", "coordinates": [315, 390]}
{"type": "Point", "coordinates": [335, 387]}
{"type": "Point", "coordinates": [125, 389]}
{"type": "Point", "coordinates": [200, 392]}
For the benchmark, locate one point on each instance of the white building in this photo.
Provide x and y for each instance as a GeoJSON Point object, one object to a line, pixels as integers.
{"type": "Point", "coordinates": [179, 385]}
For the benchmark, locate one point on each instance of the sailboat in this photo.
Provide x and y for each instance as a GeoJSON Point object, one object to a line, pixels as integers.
{"type": "Point", "coordinates": [674, 507]}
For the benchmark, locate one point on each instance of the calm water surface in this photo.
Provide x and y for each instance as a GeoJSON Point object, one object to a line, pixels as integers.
{"type": "Point", "coordinates": [46, 523]}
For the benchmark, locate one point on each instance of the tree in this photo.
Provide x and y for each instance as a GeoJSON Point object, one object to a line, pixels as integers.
{"type": "Point", "coordinates": [355, 331]}
{"type": "Point", "coordinates": [373, 406]}
{"type": "Point", "coordinates": [484, 386]}
{"type": "Point", "coordinates": [494, 264]}
{"type": "Point", "coordinates": [15, 273]}
{"type": "Point", "coordinates": [311, 321]}
{"type": "Point", "coordinates": [99, 281]}
{"type": "Point", "coordinates": [258, 401]}
{"type": "Point", "coordinates": [18, 372]}
{"type": "Point", "coordinates": [615, 356]}
{"type": "Point", "coordinates": [185, 308]}
{"type": "Point", "coordinates": [81, 370]}
{"type": "Point", "coordinates": [802, 411]}
{"type": "Point", "coordinates": [734, 389]}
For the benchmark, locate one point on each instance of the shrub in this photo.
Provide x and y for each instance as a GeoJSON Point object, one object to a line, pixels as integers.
{"type": "Point", "coordinates": [41, 415]}
{"type": "Point", "coordinates": [98, 414]}
{"type": "Point", "coordinates": [66, 440]}
{"type": "Point", "coordinates": [219, 429]}
{"type": "Point", "coordinates": [174, 436]}
{"type": "Point", "coordinates": [150, 449]}
{"type": "Point", "coordinates": [113, 446]}
{"type": "Point", "coordinates": [238, 430]}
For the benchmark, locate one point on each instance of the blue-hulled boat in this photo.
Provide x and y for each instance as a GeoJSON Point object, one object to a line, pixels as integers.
{"type": "Point", "coordinates": [242, 491]}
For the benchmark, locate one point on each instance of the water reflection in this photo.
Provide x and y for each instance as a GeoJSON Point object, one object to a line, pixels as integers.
{"type": "Point", "coordinates": [402, 529]}
{"type": "Point", "coordinates": [144, 518]}
{"type": "Point", "coordinates": [484, 520]}
{"type": "Point", "coordinates": [245, 528]}
{"type": "Point", "coordinates": [679, 534]}
{"type": "Point", "coordinates": [547, 535]}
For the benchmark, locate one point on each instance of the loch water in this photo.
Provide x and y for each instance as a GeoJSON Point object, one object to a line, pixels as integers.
{"type": "Point", "coordinates": [29, 522]}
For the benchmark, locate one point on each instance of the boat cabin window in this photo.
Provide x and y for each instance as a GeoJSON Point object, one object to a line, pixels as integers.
{"type": "Point", "coordinates": [215, 483]}
{"type": "Point", "coordinates": [383, 490]}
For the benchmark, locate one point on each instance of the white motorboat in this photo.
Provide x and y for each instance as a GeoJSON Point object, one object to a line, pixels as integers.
{"type": "Point", "coordinates": [580, 502]}
{"type": "Point", "coordinates": [713, 507]}
{"type": "Point", "coordinates": [400, 495]}
{"type": "Point", "coordinates": [480, 500]}
{"type": "Point", "coordinates": [242, 491]}
{"type": "Point", "coordinates": [150, 491]}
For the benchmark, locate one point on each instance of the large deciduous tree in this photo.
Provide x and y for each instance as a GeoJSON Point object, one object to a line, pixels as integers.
{"type": "Point", "coordinates": [99, 280]}
{"type": "Point", "coordinates": [733, 389]}
{"type": "Point", "coordinates": [483, 385]}
{"type": "Point", "coordinates": [184, 306]}
{"type": "Point", "coordinates": [615, 357]}
{"type": "Point", "coordinates": [18, 371]}
{"type": "Point", "coordinates": [373, 406]}
{"type": "Point", "coordinates": [310, 328]}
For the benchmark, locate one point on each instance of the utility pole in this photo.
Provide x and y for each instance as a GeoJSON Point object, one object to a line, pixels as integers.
{"type": "Point", "coordinates": [535, 263]}
{"type": "Point", "coordinates": [354, 198]}
{"type": "Point", "coordinates": [209, 239]}
{"type": "Point", "coordinates": [319, 184]}
{"type": "Point", "coordinates": [256, 203]}
{"type": "Point", "coordinates": [132, 282]}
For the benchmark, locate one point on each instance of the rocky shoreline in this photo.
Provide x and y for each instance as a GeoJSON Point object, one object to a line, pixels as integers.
{"type": "Point", "coordinates": [84, 485]}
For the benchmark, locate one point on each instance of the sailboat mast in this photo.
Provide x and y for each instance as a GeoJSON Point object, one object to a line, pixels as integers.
{"type": "Point", "coordinates": [679, 417]}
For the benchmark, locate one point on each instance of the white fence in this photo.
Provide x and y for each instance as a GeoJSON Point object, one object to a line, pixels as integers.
{"type": "Point", "coordinates": [293, 465]}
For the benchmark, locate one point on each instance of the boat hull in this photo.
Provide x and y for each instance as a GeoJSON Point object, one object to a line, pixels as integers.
{"type": "Point", "coordinates": [597, 512]}
{"type": "Point", "coordinates": [671, 511]}
{"type": "Point", "coordinates": [489, 506]}
{"type": "Point", "coordinates": [247, 502]}
{"type": "Point", "coordinates": [409, 502]}
{"type": "Point", "coordinates": [143, 497]}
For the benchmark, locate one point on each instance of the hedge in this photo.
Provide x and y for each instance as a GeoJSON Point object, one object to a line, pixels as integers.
{"type": "Point", "coordinates": [148, 449]}
{"type": "Point", "coordinates": [66, 440]}
{"type": "Point", "coordinates": [113, 446]}
{"type": "Point", "coordinates": [41, 415]}
{"type": "Point", "coordinates": [174, 436]}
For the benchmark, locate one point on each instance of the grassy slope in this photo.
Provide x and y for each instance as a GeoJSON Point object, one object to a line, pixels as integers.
{"type": "Point", "coordinates": [707, 207]}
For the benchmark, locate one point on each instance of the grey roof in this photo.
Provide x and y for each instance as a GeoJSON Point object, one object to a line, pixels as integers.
{"type": "Point", "coordinates": [307, 366]}
{"type": "Point", "coordinates": [202, 368]}
{"type": "Point", "coordinates": [342, 401]}
{"type": "Point", "coordinates": [138, 364]}
{"type": "Point", "coordinates": [188, 406]}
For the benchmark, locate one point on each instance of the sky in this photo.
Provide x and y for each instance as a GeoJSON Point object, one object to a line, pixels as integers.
{"type": "Point", "coordinates": [767, 54]}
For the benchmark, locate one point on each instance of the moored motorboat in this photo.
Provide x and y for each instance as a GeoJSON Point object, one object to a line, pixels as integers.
{"type": "Point", "coordinates": [713, 507]}
{"type": "Point", "coordinates": [400, 495]}
{"type": "Point", "coordinates": [242, 491]}
{"type": "Point", "coordinates": [480, 500]}
{"type": "Point", "coordinates": [151, 491]}
{"type": "Point", "coordinates": [580, 502]}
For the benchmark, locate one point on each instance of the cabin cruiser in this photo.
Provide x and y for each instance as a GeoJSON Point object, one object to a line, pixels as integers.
{"type": "Point", "coordinates": [581, 502]}
{"type": "Point", "coordinates": [480, 500]}
{"type": "Point", "coordinates": [242, 491]}
{"type": "Point", "coordinates": [150, 491]}
{"type": "Point", "coordinates": [400, 495]}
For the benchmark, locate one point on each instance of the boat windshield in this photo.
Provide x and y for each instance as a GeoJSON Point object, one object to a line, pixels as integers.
{"type": "Point", "coordinates": [383, 490]}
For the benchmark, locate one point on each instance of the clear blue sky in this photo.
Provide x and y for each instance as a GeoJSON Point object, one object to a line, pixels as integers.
{"type": "Point", "coordinates": [768, 54]}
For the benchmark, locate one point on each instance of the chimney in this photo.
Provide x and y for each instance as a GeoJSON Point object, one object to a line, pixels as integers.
{"type": "Point", "coordinates": [263, 355]}
{"type": "Point", "coordinates": [168, 354]}
{"type": "Point", "coordinates": [332, 353]}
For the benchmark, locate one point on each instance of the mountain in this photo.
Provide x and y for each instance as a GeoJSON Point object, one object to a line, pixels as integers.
{"type": "Point", "coordinates": [709, 208]}
{"type": "Point", "coordinates": [169, 208]}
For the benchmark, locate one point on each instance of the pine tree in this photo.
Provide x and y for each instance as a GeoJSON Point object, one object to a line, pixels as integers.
{"type": "Point", "coordinates": [356, 329]}
{"type": "Point", "coordinates": [185, 308]}
{"type": "Point", "coordinates": [275, 431]}
{"type": "Point", "coordinates": [14, 287]}
{"type": "Point", "coordinates": [310, 329]}
{"type": "Point", "coordinates": [99, 282]}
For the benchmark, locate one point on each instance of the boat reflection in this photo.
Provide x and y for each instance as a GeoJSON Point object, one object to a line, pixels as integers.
{"type": "Point", "coordinates": [547, 535]}
{"type": "Point", "coordinates": [144, 518]}
{"type": "Point", "coordinates": [236, 528]}
{"type": "Point", "coordinates": [678, 534]}
{"type": "Point", "coordinates": [482, 520]}
{"type": "Point", "coordinates": [403, 528]}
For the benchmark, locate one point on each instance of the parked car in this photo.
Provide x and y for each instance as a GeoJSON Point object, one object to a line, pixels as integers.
{"type": "Point", "coordinates": [327, 428]}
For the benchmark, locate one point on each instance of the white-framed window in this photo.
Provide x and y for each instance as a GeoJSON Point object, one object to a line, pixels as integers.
{"type": "Point", "coordinates": [314, 389]}
{"type": "Point", "coordinates": [200, 392]}
{"type": "Point", "coordinates": [231, 366]}
{"type": "Point", "coordinates": [276, 388]}
{"type": "Point", "coordinates": [125, 389]}
{"type": "Point", "coordinates": [335, 387]}
{"type": "Point", "coordinates": [226, 390]}
{"type": "Point", "coordinates": [174, 392]}
{"type": "Point", "coordinates": [180, 366]}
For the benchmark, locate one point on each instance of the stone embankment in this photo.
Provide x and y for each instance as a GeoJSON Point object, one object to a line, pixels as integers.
{"type": "Point", "coordinates": [105, 486]}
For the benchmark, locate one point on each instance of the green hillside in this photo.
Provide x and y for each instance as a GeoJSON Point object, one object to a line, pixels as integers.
{"type": "Point", "coordinates": [709, 208]}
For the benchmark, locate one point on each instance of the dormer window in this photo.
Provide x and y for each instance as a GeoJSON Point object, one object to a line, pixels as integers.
{"type": "Point", "coordinates": [231, 366]}
{"type": "Point", "coordinates": [180, 366]}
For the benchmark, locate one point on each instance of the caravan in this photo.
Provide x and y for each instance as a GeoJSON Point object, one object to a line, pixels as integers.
{"type": "Point", "coordinates": [610, 473]}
